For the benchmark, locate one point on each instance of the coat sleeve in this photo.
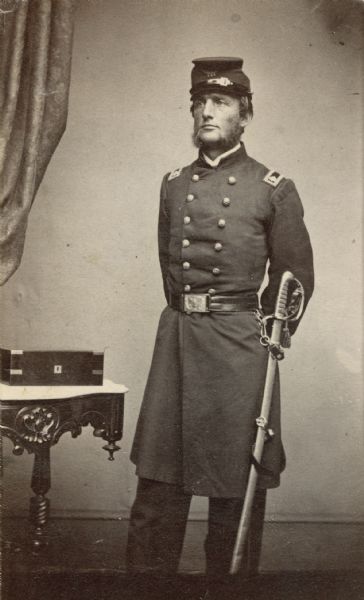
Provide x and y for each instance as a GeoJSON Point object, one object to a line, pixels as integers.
{"type": "Point", "coordinates": [163, 235]}
{"type": "Point", "coordinates": [289, 246]}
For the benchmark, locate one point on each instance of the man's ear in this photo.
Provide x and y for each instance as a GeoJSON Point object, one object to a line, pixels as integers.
{"type": "Point", "coordinates": [244, 122]}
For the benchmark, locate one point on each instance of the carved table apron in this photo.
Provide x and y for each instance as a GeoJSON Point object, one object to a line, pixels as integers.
{"type": "Point", "coordinates": [35, 417]}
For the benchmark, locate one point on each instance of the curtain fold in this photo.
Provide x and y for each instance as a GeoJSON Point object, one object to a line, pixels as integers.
{"type": "Point", "coordinates": [35, 65]}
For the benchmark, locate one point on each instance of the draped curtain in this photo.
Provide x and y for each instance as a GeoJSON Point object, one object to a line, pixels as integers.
{"type": "Point", "coordinates": [35, 63]}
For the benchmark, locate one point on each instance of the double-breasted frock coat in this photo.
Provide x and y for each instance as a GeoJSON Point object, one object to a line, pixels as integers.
{"type": "Point", "coordinates": [219, 228]}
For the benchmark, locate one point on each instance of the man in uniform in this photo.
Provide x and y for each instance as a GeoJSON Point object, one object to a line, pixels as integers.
{"type": "Point", "coordinates": [222, 220]}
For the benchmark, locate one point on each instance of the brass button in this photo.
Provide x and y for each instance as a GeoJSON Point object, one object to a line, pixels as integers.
{"type": "Point", "coordinates": [190, 197]}
{"type": "Point", "coordinates": [221, 223]}
{"type": "Point", "coordinates": [211, 291]}
{"type": "Point", "coordinates": [218, 246]}
{"type": "Point", "coordinates": [187, 288]}
{"type": "Point", "coordinates": [216, 271]}
{"type": "Point", "coordinates": [186, 265]}
{"type": "Point", "coordinates": [232, 180]}
{"type": "Point", "coordinates": [226, 201]}
{"type": "Point", "coordinates": [186, 220]}
{"type": "Point", "coordinates": [185, 243]}
{"type": "Point", "coordinates": [195, 177]}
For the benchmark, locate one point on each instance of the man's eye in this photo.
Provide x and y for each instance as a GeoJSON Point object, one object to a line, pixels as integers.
{"type": "Point", "coordinates": [220, 101]}
{"type": "Point", "coordinates": [197, 104]}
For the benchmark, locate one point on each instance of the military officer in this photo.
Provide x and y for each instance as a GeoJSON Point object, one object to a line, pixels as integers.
{"type": "Point", "coordinates": [222, 219]}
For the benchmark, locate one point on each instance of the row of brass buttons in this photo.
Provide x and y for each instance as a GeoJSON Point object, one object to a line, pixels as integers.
{"type": "Point", "coordinates": [221, 222]}
{"type": "Point", "coordinates": [225, 201]}
{"type": "Point", "coordinates": [231, 180]}
{"type": "Point", "coordinates": [186, 243]}
{"type": "Point", "coordinates": [187, 265]}
{"type": "Point", "coordinates": [211, 291]}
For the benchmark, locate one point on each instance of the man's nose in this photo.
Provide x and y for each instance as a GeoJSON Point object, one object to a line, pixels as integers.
{"type": "Point", "coordinates": [208, 109]}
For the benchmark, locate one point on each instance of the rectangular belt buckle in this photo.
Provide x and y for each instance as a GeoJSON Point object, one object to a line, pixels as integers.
{"type": "Point", "coordinates": [196, 303]}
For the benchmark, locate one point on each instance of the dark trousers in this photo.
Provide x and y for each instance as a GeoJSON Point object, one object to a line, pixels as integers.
{"type": "Point", "coordinates": [158, 523]}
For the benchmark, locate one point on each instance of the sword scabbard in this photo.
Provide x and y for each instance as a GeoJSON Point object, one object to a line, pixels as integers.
{"type": "Point", "coordinates": [279, 318]}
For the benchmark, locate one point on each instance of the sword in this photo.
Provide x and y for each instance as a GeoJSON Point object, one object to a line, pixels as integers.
{"type": "Point", "coordinates": [284, 311]}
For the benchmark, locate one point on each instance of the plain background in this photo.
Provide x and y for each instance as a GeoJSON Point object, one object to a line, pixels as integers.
{"type": "Point", "coordinates": [89, 278]}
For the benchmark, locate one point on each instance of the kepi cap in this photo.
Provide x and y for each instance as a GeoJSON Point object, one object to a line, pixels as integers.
{"type": "Point", "coordinates": [219, 74]}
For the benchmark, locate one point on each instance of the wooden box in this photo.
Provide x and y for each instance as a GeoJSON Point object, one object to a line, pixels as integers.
{"type": "Point", "coordinates": [51, 367]}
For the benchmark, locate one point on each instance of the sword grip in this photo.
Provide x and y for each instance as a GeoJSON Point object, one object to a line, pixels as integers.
{"type": "Point", "coordinates": [280, 311]}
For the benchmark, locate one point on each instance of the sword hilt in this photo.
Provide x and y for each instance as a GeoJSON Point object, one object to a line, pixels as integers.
{"type": "Point", "coordinates": [280, 311]}
{"type": "Point", "coordinates": [289, 309]}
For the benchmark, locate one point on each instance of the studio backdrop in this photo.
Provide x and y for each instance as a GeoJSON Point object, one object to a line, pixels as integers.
{"type": "Point", "coordinates": [89, 277]}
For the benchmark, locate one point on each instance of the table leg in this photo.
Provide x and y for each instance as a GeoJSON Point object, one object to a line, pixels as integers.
{"type": "Point", "coordinates": [39, 504]}
{"type": "Point", "coordinates": [115, 428]}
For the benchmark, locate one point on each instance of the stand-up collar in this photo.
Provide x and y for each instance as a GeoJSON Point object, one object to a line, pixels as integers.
{"type": "Point", "coordinates": [225, 159]}
{"type": "Point", "coordinates": [216, 161]}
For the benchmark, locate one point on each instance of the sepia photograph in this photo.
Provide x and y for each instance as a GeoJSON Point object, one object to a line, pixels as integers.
{"type": "Point", "coordinates": [181, 300]}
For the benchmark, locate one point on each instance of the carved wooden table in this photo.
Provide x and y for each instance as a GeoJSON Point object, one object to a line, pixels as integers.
{"type": "Point", "coordinates": [35, 417]}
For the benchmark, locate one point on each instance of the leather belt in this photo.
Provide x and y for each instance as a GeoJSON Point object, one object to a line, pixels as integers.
{"type": "Point", "coordinates": [204, 303]}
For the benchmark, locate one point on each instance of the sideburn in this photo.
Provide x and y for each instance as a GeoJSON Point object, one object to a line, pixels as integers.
{"type": "Point", "coordinates": [229, 141]}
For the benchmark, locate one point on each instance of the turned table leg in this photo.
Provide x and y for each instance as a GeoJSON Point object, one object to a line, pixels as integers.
{"type": "Point", "coordinates": [115, 427]}
{"type": "Point", "coordinates": [39, 504]}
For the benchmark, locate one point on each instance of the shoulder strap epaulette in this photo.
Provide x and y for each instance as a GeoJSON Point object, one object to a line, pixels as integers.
{"type": "Point", "coordinates": [174, 174]}
{"type": "Point", "coordinates": [273, 178]}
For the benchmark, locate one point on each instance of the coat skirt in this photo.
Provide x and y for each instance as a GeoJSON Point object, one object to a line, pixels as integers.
{"type": "Point", "coordinates": [197, 422]}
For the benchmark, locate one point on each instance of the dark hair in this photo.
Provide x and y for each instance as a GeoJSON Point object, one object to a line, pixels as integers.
{"type": "Point", "coordinates": [246, 107]}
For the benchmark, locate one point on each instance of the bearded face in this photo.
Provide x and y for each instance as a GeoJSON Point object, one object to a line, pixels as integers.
{"type": "Point", "coordinates": [218, 123]}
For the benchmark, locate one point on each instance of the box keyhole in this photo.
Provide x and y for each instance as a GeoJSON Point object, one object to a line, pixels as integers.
{"type": "Point", "coordinates": [57, 369]}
